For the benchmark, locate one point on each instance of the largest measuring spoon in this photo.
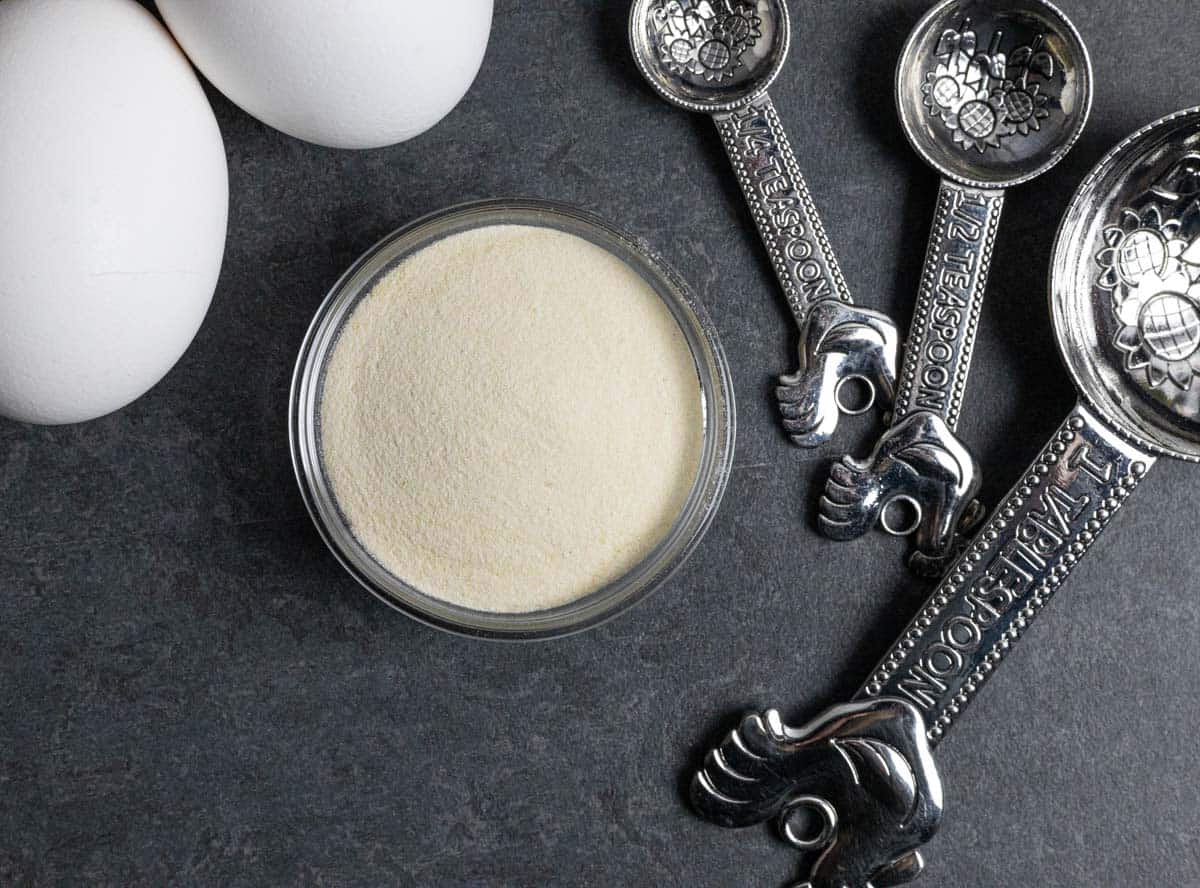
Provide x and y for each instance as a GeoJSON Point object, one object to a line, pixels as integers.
{"type": "Point", "coordinates": [719, 57]}
{"type": "Point", "coordinates": [1125, 296]}
{"type": "Point", "coordinates": [991, 93]}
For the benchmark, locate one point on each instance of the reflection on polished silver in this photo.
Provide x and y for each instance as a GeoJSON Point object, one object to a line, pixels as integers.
{"type": "Point", "coordinates": [1151, 266]}
{"type": "Point", "coordinates": [839, 343]}
{"type": "Point", "coordinates": [700, 39]}
{"type": "Point", "coordinates": [867, 770]}
{"type": "Point", "coordinates": [919, 462]}
{"type": "Point", "coordinates": [984, 96]}
{"type": "Point", "coordinates": [719, 57]}
{"type": "Point", "coordinates": [1027, 549]}
{"type": "Point", "coordinates": [793, 812]}
{"type": "Point", "coordinates": [993, 93]}
{"type": "Point", "coordinates": [986, 117]}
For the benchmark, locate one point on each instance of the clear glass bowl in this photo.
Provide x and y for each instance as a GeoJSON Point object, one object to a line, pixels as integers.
{"type": "Point", "coordinates": [716, 390]}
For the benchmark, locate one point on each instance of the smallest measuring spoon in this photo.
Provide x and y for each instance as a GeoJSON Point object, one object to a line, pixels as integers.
{"type": "Point", "coordinates": [719, 57]}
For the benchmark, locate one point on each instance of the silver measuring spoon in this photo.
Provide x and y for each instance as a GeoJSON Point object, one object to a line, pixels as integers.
{"type": "Point", "coordinates": [991, 93]}
{"type": "Point", "coordinates": [719, 57]}
{"type": "Point", "coordinates": [1125, 298]}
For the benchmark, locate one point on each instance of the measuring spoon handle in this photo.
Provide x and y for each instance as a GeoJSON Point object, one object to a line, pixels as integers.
{"type": "Point", "coordinates": [838, 341]}
{"type": "Point", "coordinates": [941, 341]}
{"type": "Point", "coordinates": [782, 206]}
{"type": "Point", "coordinates": [765, 769]}
{"type": "Point", "coordinates": [1013, 568]}
{"type": "Point", "coordinates": [920, 463]}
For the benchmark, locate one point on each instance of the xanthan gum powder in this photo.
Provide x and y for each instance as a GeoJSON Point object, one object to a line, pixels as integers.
{"type": "Point", "coordinates": [511, 419]}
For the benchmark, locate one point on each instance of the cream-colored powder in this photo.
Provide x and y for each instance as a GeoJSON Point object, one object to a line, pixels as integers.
{"type": "Point", "coordinates": [511, 419]}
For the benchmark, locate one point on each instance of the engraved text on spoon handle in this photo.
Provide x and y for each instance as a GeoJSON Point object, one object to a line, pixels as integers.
{"type": "Point", "coordinates": [937, 356]}
{"type": "Point", "coordinates": [1012, 569]}
{"type": "Point", "coordinates": [782, 206]}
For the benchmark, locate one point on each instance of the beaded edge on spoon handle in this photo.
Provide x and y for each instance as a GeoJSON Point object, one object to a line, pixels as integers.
{"type": "Point", "coordinates": [839, 341]}
{"type": "Point", "coordinates": [1010, 572]}
{"type": "Point", "coordinates": [782, 206]}
{"type": "Point", "coordinates": [941, 341]}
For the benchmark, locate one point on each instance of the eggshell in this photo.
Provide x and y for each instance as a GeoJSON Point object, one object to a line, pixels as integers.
{"type": "Point", "coordinates": [346, 75]}
{"type": "Point", "coordinates": [113, 206]}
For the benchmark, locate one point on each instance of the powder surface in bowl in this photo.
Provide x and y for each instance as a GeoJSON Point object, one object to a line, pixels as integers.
{"type": "Point", "coordinates": [511, 419]}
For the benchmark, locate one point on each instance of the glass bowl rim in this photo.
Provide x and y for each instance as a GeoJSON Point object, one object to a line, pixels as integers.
{"type": "Point", "coordinates": [664, 560]}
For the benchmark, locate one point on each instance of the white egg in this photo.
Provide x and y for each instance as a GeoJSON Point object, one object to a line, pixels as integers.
{"type": "Point", "coordinates": [362, 74]}
{"type": "Point", "coordinates": [113, 206]}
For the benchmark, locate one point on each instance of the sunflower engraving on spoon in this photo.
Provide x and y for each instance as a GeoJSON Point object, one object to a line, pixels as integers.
{"type": "Point", "coordinates": [986, 97]}
{"type": "Point", "coordinates": [696, 37]}
{"type": "Point", "coordinates": [1151, 266]}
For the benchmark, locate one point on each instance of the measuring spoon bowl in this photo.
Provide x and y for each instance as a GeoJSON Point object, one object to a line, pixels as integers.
{"type": "Point", "coordinates": [993, 93]}
{"type": "Point", "coordinates": [710, 56]}
{"type": "Point", "coordinates": [1125, 288]}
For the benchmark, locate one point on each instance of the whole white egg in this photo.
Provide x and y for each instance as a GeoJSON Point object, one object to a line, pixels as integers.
{"type": "Point", "coordinates": [113, 206]}
{"type": "Point", "coordinates": [359, 74]}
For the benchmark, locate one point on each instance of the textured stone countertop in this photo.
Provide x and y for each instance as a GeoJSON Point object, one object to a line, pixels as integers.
{"type": "Point", "coordinates": [194, 692]}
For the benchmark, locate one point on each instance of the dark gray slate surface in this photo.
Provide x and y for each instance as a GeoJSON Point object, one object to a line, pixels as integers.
{"type": "Point", "coordinates": [194, 693]}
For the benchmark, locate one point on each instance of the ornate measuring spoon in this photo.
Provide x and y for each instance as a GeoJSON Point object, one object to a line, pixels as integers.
{"type": "Point", "coordinates": [991, 93]}
{"type": "Point", "coordinates": [719, 57]}
{"type": "Point", "coordinates": [1125, 297]}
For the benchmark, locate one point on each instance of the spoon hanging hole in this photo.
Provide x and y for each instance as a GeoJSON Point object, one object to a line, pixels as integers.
{"type": "Point", "coordinates": [809, 823]}
{"type": "Point", "coordinates": [855, 395]}
{"type": "Point", "coordinates": [901, 516]}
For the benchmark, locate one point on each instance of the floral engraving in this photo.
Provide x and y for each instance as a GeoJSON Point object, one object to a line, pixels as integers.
{"type": "Point", "coordinates": [1150, 264]}
{"type": "Point", "coordinates": [986, 96]}
{"type": "Point", "coordinates": [705, 39]}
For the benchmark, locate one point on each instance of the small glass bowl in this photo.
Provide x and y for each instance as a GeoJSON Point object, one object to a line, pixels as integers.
{"type": "Point", "coordinates": [718, 411]}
